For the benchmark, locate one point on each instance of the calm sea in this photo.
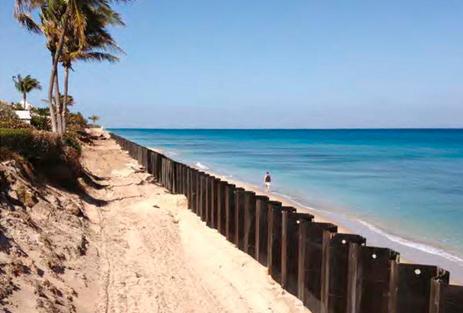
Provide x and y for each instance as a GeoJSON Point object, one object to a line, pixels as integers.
{"type": "Point", "coordinates": [401, 188]}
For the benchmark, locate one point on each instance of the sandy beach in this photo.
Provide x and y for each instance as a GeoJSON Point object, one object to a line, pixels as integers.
{"type": "Point", "coordinates": [157, 256]}
{"type": "Point", "coordinates": [125, 246]}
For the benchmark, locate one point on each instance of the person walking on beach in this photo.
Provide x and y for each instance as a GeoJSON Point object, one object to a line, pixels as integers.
{"type": "Point", "coordinates": [267, 181]}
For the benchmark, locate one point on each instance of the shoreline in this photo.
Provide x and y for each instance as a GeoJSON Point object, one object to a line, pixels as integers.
{"type": "Point", "coordinates": [411, 251]}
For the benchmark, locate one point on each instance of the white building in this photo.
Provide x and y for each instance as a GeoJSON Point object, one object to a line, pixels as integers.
{"type": "Point", "coordinates": [24, 115]}
{"type": "Point", "coordinates": [26, 106]}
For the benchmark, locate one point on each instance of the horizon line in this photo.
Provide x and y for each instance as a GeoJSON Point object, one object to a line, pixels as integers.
{"type": "Point", "coordinates": [338, 128]}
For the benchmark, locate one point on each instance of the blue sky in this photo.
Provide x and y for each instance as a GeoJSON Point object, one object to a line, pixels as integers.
{"type": "Point", "coordinates": [253, 64]}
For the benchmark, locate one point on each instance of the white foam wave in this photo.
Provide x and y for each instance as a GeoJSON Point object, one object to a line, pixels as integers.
{"type": "Point", "coordinates": [201, 166]}
{"type": "Point", "coordinates": [374, 229]}
{"type": "Point", "coordinates": [412, 244]}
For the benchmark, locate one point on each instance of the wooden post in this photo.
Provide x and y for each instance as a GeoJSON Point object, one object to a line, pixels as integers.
{"type": "Point", "coordinates": [313, 265]}
{"type": "Point", "coordinates": [203, 196]}
{"type": "Point", "coordinates": [249, 243]}
{"type": "Point", "coordinates": [149, 170]}
{"type": "Point", "coordinates": [414, 287]}
{"type": "Point", "coordinates": [377, 280]}
{"type": "Point", "coordinates": [185, 180]}
{"type": "Point", "coordinates": [230, 212]}
{"type": "Point", "coordinates": [188, 185]}
{"type": "Point", "coordinates": [196, 190]}
{"type": "Point", "coordinates": [446, 298]}
{"type": "Point", "coordinates": [261, 229]}
{"type": "Point", "coordinates": [159, 167]}
{"type": "Point", "coordinates": [343, 264]}
{"type": "Point", "coordinates": [239, 218]}
{"type": "Point", "coordinates": [221, 217]}
{"type": "Point", "coordinates": [176, 177]}
{"type": "Point", "coordinates": [285, 232]}
{"type": "Point", "coordinates": [163, 172]}
{"type": "Point", "coordinates": [214, 201]}
{"type": "Point", "coordinates": [208, 206]}
{"type": "Point", "coordinates": [274, 239]}
{"type": "Point", "coordinates": [290, 248]}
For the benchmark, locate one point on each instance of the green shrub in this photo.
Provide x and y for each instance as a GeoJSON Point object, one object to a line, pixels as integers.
{"type": "Point", "coordinates": [40, 111]}
{"type": "Point", "coordinates": [14, 124]}
{"type": "Point", "coordinates": [9, 119]}
{"type": "Point", "coordinates": [7, 112]}
{"type": "Point", "coordinates": [32, 145]}
{"type": "Point", "coordinates": [71, 140]}
{"type": "Point", "coordinates": [56, 160]}
{"type": "Point", "coordinates": [17, 106]}
{"type": "Point", "coordinates": [41, 122]}
{"type": "Point", "coordinates": [76, 122]}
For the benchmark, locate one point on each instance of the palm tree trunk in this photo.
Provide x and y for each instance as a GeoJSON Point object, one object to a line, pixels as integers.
{"type": "Point", "coordinates": [59, 105]}
{"type": "Point", "coordinates": [54, 73]}
{"type": "Point", "coordinates": [66, 90]}
{"type": "Point", "coordinates": [54, 127]}
{"type": "Point", "coordinates": [24, 100]}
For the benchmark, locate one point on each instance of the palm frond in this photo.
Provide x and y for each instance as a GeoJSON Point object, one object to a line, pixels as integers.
{"type": "Point", "coordinates": [25, 19]}
{"type": "Point", "coordinates": [98, 56]}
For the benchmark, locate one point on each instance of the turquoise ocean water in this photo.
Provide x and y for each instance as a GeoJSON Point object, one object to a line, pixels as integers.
{"type": "Point", "coordinates": [400, 188]}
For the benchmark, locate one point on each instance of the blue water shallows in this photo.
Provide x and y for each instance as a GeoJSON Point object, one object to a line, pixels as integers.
{"type": "Point", "coordinates": [406, 185]}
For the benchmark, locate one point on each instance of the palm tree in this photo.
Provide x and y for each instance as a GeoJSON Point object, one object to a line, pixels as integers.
{"type": "Point", "coordinates": [26, 85]}
{"type": "Point", "coordinates": [59, 19]}
{"type": "Point", "coordinates": [99, 42]}
{"type": "Point", "coordinates": [94, 118]}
